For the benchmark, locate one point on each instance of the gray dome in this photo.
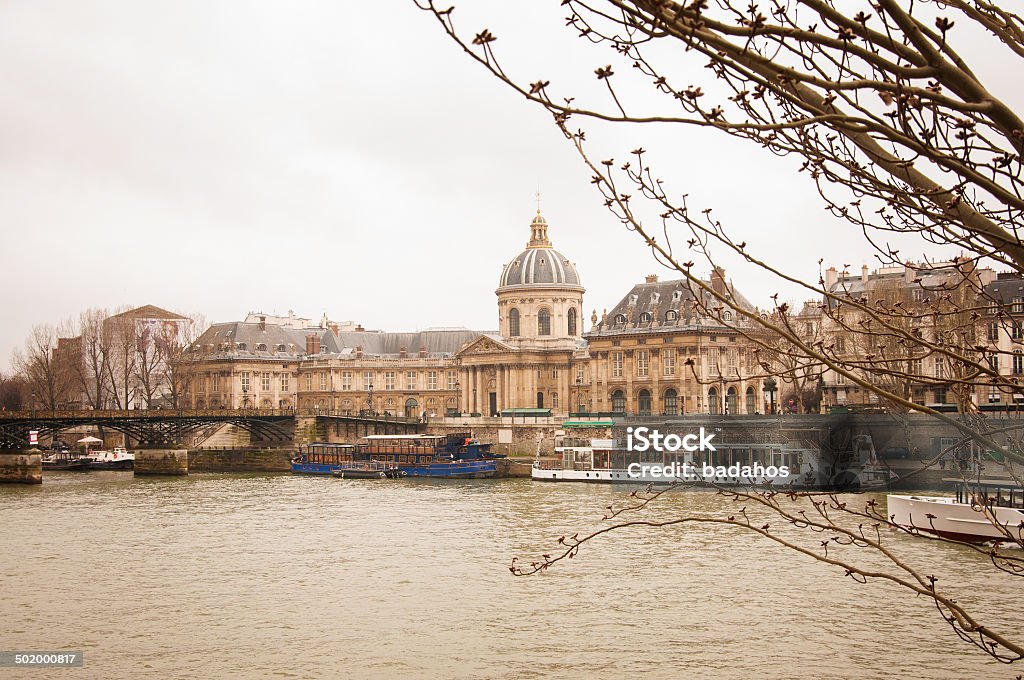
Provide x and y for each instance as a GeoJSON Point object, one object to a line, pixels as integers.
{"type": "Point", "coordinates": [540, 266]}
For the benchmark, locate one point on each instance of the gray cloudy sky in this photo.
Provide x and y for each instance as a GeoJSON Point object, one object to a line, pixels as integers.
{"type": "Point", "coordinates": [338, 157]}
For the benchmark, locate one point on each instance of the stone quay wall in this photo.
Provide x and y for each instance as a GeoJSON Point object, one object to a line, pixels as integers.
{"type": "Point", "coordinates": [172, 462]}
{"type": "Point", "coordinates": [21, 468]}
{"type": "Point", "coordinates": [234, 460]}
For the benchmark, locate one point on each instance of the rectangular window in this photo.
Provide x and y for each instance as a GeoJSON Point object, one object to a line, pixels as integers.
{"type": "Point", "coordinates": [643, 363]}
{"type": "Point", "coordinates": [411, 380]}
{"type": "Point", "coordinates": [367, 380]}
{"type": "Point", "coordinates": [554, 374]}
{"type": "Point", "coordinates": [309, 382]}
{"type": "Point", "coordinates": [284, 382]}
{"type": "Point", "coordinates": [993, 362]}
{"type": "Point", "coordinates": [993, 331]}
{"type": "Point", "coordinates": [730, 358]}
{"type": "Point", "coordinates": [265, 382]}
{"type": "Point", "coordinates": [914, 367]}
{"type": "Point", "coordinates": [581, 374]}
{"type": "Point", "coordinates": [940, 367]}
{"type": "Point", "coordinates": [389, 380]}
{"type": "Point", "coordinates": [453, 380]}
{"type": "Point", "coordinates": [323, 381]}
{"type": "Point", "coordinates": [346, 380]}
{"type": "Point", "coordinates": [216, 382]}
{"type": "Point", "coordinates": [1018, 363]}
{"type": "Point", "coordinates": [431, 380]}
{"type": "Point", "coordinates": [840, 344]}
{"type": "Point", "coordinates": [668, 361]}
{"type": "Point", "coordinates": [1016, 332]}
{"type": "Point", "coordinates": [616, 364]}
{"type": "Point", "coordinates": [1018, 305]}
{"type": "Point", "coordinates": [245, 381]}
{"type": "Point", "coordinates": [713, 359]}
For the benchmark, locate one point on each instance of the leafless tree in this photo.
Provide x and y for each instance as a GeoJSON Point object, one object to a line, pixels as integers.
{"type": "Point", "coordinates": [94, 369]}
{"type": "Point", "coordinates": [47, 372]}
{"type": "Point", "coordinates": [181, 360]}
{"type": "Point", "coordinates": [121, 368]}
{"type": "Point", "coordinates": [899, 136]}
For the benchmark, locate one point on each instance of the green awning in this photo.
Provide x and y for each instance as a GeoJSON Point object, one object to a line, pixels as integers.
{"type": "Point", "coordinates": [589, 423]}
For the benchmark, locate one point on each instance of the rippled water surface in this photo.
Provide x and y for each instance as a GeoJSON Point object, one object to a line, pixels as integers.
{"type": "Point", "coordinates": [220, 576]}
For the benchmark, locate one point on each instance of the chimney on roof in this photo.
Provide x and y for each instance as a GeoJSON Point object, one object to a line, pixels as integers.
{"type": "Point", "coordinates": [263, 323]}
{"type": "Point", "coordinates": [403, 352]}
{"type": "Point", "coordinates": [718, 281]}
{"type": "Point", "coordinates": [651, 278]}
{"type": "Point", "coordinates": [312, 344]}
{"type": "Point", "coordinates": [359, 328]}
{"type": "Point", "coordinates": [334, 329]}
{"type": "Point", "coordinates": [831, 277]}
{"type": "Point", "coordinates": [864, 273]}
{"type": "Point", "coordinates": [423, 351]}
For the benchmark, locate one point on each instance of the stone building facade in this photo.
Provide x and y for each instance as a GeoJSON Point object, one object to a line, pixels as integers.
{"type": "Point", "coordinates": [530, 362]}
{"type": "Point", "coordinates": [655, 353]}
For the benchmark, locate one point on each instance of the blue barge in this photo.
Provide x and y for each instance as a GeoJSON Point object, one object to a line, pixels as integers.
{"type": "Point", "coordinates": [413, 455]}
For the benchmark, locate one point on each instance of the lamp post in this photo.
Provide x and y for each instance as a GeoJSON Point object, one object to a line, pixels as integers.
{"type": "Point", "coordinates": [769, 386]}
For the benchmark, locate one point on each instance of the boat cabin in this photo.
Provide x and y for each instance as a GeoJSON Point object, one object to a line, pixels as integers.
{"type": "Point", "coordinates": [1000, 493]}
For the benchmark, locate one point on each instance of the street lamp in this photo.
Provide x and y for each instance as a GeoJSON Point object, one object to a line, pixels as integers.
{"type": "Point", "coordinates": [769, 386]}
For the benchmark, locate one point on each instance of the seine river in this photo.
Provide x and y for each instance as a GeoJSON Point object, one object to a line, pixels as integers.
{"type": "Point", "coordinates": [231, 576]}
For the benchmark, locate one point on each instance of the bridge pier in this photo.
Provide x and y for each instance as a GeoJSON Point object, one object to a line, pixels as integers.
{"type": "Point", "coordinates": [171, 462]}
{"type": "Point", "coordinates": [21, 468]}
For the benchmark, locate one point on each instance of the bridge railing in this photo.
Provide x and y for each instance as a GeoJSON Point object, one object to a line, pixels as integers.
{"type": "Point", "coordinates": [213, 413]}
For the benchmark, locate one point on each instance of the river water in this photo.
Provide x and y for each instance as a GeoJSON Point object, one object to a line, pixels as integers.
{"type": "Point", "coordinates": [231, 576]}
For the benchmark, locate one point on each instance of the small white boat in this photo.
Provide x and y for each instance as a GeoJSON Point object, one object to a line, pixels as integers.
{"type": "Point", "coordinates": [982, 511]}
{"type": "Point", "coordinates": [118, 459]}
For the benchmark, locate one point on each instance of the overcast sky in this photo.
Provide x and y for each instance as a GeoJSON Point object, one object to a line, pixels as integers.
{"type": "Point", "coordinates": [338, 157]}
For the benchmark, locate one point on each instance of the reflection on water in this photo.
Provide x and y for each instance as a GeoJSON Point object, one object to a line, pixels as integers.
{"type": "Point", "coordinates": [251, 576]}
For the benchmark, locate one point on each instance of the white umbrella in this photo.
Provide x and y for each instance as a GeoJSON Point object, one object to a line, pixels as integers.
{"type": "Point", "coordinates": [90, 440]}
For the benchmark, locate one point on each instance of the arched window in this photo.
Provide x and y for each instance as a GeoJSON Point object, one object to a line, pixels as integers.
{"type": "Point", "coordinates": [727, 316]}
{"type": "Point", "coordinates": [645, 317]}
{"type": "Point", "coordinates": [643, 403]}
{"type": "Point", "coordinates": [751, 401]}
{"type": "Point", "coordinates": [281, 348]}
{"type": "Point", "coordinates": [261, 347]}
{"type": "Point", "coordinates": [620, 318]}
{"type": "Point", "coordinates": [572, 321]}
{"type": "Point", "coordinates": [241, 346]}
{"type": "Point", "coordinates": [671, 315]}
{"type": "Point", "coordinates": [543, 323]}
{"type": "Point", "coordinates": [513, 323]}
{"type": "Point", "coordinates": [619, 401]}
{"type": "Point", "coordinates": [671, 403]}
{"type": "Point", "coordinates": [713, 405]}
{"type": "Point", "coordinates": [730, 401]}
{"type": "Point", "coordinates": [540, 400]}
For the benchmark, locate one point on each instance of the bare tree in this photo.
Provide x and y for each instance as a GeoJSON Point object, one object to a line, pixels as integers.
{"type": "Point", "coordinates": [14, 394]}
{"type": "Point", "coordinates": [181, 359]}
{"type": "Point", "coordinates": [899, 136]}
{"type": "Point", "coordinates": [95, 347]}
{"type": "Point", "coordinates": [121, 368]}
{"type": "Point", "coordinates": [48, 373]}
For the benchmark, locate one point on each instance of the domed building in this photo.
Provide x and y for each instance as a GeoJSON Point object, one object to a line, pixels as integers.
{"type": "Point", "coordinates": [529, 362]}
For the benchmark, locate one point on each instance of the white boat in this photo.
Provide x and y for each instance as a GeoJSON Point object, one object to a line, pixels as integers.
{"type": "Point", "coordinates": [118, 459]}
{"type": "Point", "coordinates": [600, 461]}
{"type": "Point", "coordinates": [982, 510]}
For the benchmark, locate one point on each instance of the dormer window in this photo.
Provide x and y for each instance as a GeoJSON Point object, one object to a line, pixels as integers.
{"type": "Point", "coordinates": [645, 317]}
{"type": "Point", "coordinates": [677, 295]}
{"type": "Point", "coordinates": [727, 316]}
{"type": "Point", "coordinates": [620, 318]}
{"type": "Point", "coordinates": [632, 299]}
{"type": "Point", "coordinates": [282, 348]}
{"type": "Point", "coordinates": [241, 346]}
{"type": "Point", "coordinates": [671, 315]}
{"type": "Point", "coordinates": [655, 297]}
{"type": "Point", "coordinates": [261, 347]}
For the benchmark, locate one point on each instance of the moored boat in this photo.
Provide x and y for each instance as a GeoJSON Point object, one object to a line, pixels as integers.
{"type": "Point", "coordinates": [118, 459]}
{"type": "Point", "coordinates": [65, 461]}
{"type": "Point", "coordinates": [440, 456]}
{"type": "Point", "coordinates": [322, 458]}
{"type": "Point", "coordinates": [368, 470]}
{"type": "Point", "coordinates": [982, 510]}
